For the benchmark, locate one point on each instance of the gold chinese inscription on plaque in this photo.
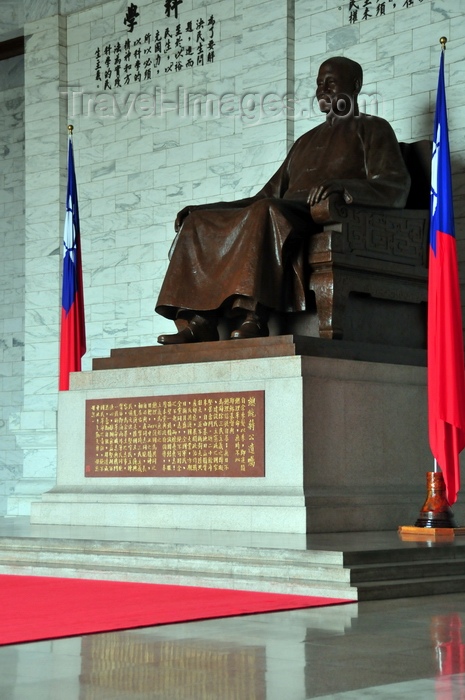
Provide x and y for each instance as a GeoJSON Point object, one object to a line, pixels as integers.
{"type": "Point", "coordinates": [190, 435]}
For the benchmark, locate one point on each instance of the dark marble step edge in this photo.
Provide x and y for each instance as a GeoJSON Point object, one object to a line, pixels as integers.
{"type": "Point", "coordinates": [410, 588]}
{"type": "Point", "coordinates": [438, 552]}
{"type": "Point", "coordinates": [406, 570]}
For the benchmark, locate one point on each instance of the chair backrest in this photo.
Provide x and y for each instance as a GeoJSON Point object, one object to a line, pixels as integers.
{"type": "Point", "coordinates": [417, 158]}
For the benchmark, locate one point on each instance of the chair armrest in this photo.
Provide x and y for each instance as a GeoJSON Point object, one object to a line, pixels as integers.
{"type": "Point", "coordinates": [331, 210]}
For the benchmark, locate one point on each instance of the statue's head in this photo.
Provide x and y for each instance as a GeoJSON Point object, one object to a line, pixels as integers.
{"type": "Point", "coordinates": [338, 84]}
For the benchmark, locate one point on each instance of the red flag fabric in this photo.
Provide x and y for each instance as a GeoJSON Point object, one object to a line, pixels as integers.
{"type": "Point", "coordinates": [73, 332]}
{"type": "Point", "coordinates": [446, 368]}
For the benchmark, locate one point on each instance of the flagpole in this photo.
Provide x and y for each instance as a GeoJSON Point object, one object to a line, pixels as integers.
{"type": "Point", "coordinates": [443, 42]}
{"type": "Point", "coordinates": [446, 362]}
{"type": "Point", "coordinates": [72, 327]}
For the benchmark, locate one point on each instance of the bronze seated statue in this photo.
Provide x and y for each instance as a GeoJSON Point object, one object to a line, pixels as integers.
{"type": "Point", "coordinates": [331, 221]}
{"type": "Point", "coordinates": [375, 251]}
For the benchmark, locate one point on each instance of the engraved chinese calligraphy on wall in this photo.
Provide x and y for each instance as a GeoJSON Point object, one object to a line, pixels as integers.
{"type": "Point", "coordinates": [360, 10]}
{"type": "Point", "coordinates": [130, 19]}
{"type": "Point", "coordinates": [194, 435]}
{"type": "Point", "coordinates": [171, 49]}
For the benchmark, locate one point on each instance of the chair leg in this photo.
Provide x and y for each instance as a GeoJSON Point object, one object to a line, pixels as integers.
{"type": "Point", "coordinates": [330, 305]}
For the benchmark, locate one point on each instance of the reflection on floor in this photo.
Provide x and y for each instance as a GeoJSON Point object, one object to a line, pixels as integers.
{"type": "Point", "coordinates": [408, 648]}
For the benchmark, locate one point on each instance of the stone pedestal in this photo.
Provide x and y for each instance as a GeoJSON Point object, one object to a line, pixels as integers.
{"type": "Point", "coordinates": [345, 447]}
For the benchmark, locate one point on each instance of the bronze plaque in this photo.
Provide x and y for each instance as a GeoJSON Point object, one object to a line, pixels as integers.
{"type": "Point", "coordinates": [182, 435]}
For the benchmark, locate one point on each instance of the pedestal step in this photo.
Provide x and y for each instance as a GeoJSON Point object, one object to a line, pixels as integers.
{"type": "Point", "coordinates": [274, 346]}
{"type": "Point", "coordinates": [280, 571]}
{"type": "Point", "coordinates": [411, 588]}
{"type": "Point", "coordinates": [364, 575]}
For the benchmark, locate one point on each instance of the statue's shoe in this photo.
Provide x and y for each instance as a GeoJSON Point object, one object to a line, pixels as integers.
{"type": "Point", "coordinates": [251, 328]}
{"type": "Point", "coordinates": [197, 331]}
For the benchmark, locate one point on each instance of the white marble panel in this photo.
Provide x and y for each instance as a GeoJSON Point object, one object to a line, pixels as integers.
{"type": "Point", "coordinates": [428, 34]}
{"type": "Point", "coordinates": [147, 198]}
{"type": "Point", "coordinates": [308, 7]}
{"type": "Point", "coordinates": [6, 195]}
{"type": "Point", "coordinates": [115, 329]}
{"type": "Point", "coordinates": [414, 106]}
{"type": "Point", "coordinates": [456, 121]}
{"type": "Point", "coordinates": [166, 175]}
{"type": "Point", "coordinates": [35, 11]}
{"type": "Point", "coordinates": [97, 313]}
{"type": "Point", "coordinates": [34, 25]}
{"type": "Point", "coordinates": [195, 134]}
{"type": "Point", "coordinates": [115, 186]}
{"type": "Point", "coordinates": [41, 462]}
{"type": "Point", "coordinates": [45, 300]}
{"type": "Point", "coordinates": [103, 206]}
{"type": "Point", "coordinates": [387, 47]}
{"type": "Point", "coordinates": [41, 350]}
{"type": "Point", "coordinates": [424, 81]}
{"type": "Point", "coordinates": [102, 276]}
{"type": "Point", "coordinates": [143, 220]}
{"type": "Point", "coordinates": [89, 156]}
{"type": "Point", "coordinates": [81, 72]}
{"type": "Point", "coordinates": [43, 196]}
{"type": "Point", "coordinates": [406, 129]}
{"type": "Point", "coordinates": [155, 231]}
{"type": "Point", "coordinates": [141, 290]}
{"type": "Point", "coordinates": [130, 309]}
{"type": "Point", "coordinates": [43, 332]}
{"type": "Point", "coordinates": [106, 135]}
{"type": "Point", "coordinates": [139, 253]}
{"type": "Point", "coordinates": [257, 31]}
{"type": "Point", "coordinates": [127, 128]}
{"type": "Point", "coordinates": [343, 38]}
{"type": "Point", "coordinates": [127, 166]}
{"type": "Point", "coordinates": [326, 21]}
{"type": "Point", "coordinates": [141, 327]}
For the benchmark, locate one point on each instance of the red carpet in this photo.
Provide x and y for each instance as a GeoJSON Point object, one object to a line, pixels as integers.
{"type": "Point", "coordinates": [36, 607]}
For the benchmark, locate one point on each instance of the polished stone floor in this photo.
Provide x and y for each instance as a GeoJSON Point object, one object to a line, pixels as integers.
{"type": "Point", "coordinates": [409, 648]}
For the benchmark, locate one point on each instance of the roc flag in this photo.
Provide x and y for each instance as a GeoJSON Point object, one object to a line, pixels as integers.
{"type": "Point", "coordinates": [446, 372]}
{"type": "Point", "coordinates": [73, 332]}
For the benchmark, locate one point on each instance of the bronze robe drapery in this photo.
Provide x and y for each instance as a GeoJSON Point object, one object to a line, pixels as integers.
{"type": "Point", "coordinates": [249, 252]}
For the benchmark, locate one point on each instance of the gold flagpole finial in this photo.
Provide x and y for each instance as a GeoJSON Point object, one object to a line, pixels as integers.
{"type": "Point", "coordinates": [70, 129]}
{"type": "Point", "coordinates": [443, 42]}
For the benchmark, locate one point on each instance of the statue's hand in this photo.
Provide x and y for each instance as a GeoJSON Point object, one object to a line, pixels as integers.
{"type": "Point", "coordinates": [182, 215]}
{"type": "Point", "coordinates": [323, 191]}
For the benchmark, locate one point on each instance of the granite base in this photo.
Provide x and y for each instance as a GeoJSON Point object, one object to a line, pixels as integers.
{"type": "Point", "coordinates": [346, 449]}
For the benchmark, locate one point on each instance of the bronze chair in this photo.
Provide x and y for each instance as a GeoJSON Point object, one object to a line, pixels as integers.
{"type": "Point", "coordinates": [371, 251]}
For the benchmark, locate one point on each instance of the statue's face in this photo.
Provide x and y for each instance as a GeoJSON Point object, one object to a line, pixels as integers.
{"type": "Point", "coordinates": [335, 88]}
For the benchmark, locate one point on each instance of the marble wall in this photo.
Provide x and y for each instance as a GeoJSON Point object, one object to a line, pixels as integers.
{"type": "Point", "coordinates": [146, 149]}
{"type": "Point", "coordinates": [148, 143]}
{"type": "Point", "coordinates": [11, 268]}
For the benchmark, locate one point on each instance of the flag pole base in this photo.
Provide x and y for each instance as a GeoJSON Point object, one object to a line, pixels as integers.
{"type": "Point", "coordinates": [411, 533]}
{"type": "Point", "coordinates": [436, 520]}
{"type": "Point", "coordinates": [436, 511]}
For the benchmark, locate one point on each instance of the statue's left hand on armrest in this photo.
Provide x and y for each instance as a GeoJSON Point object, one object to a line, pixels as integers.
{"type": "Point", "coordinates": [323, 201]}
{"type": "Point", "coordinates": [324, 190]}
